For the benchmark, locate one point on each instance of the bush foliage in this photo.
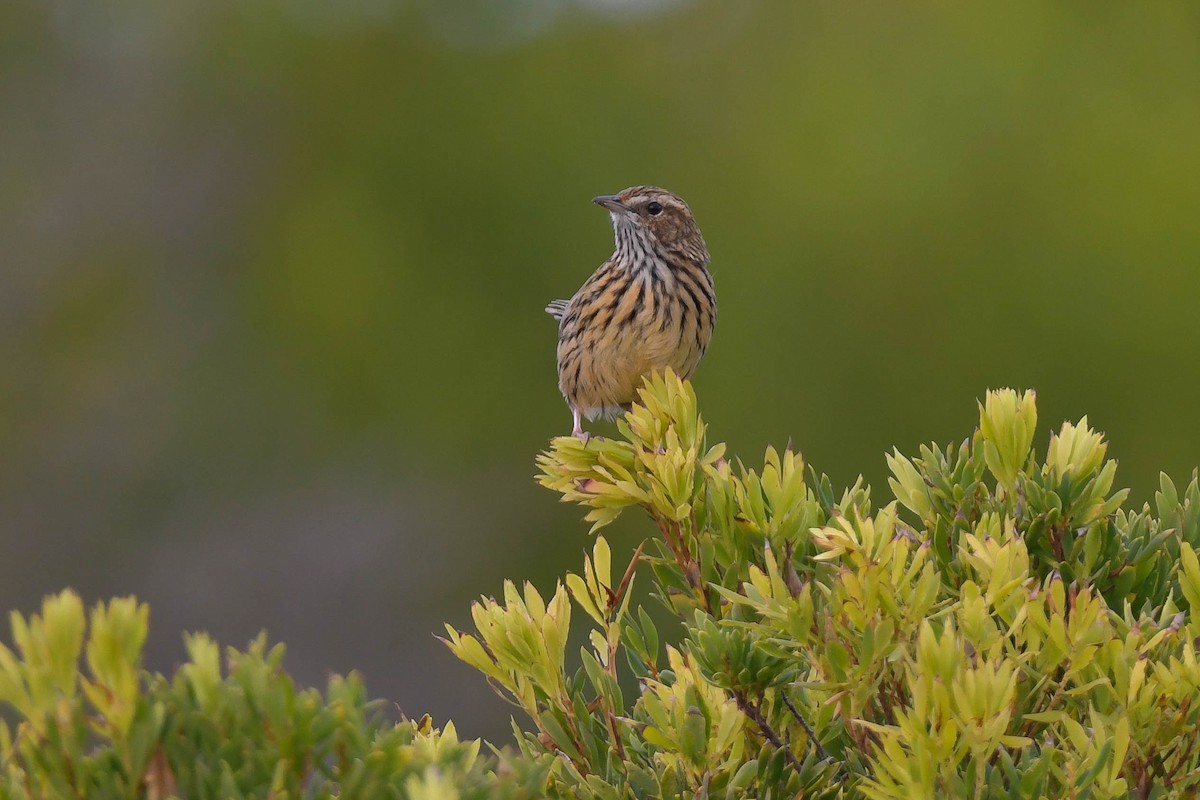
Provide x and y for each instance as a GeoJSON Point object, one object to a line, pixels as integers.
{"type": "Point", "coordinates": [1004, 626]}
{"type": "Point", "coordinates": [237, 729]}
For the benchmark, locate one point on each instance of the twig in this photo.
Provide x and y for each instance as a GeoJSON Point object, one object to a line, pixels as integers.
{"type": "Point", "coordinates": [812, 737]}
{"type": "Point", "coordinates": [764, 727]}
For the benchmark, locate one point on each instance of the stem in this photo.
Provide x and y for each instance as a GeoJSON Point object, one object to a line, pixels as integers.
{"type": "Point", "coordinates": [665, 529]}
{"type": "Point", "coordinates": [1028, 728]}
{"type": "Point", "coordinates": [812, 737]}
{"type": "Point", "coordinates": [673, 534]}
{"type": "Point", "coordinates": [764, 727]}
{"type": "Point", "coordinates": [573, 731]}
{"type": "Point", "coordinates": [616, 735]}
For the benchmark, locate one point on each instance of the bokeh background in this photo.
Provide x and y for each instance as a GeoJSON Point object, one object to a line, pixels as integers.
{"type": "Point", "coordinates": [272, 349]}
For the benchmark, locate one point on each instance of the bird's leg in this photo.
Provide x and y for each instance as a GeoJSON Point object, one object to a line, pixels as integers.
{"type": "Point", "coordinates": [578, 432]}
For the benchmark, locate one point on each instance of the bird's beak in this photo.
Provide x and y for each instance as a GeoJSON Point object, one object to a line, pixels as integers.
{"type": "Point", "coordinates": [611, 202]}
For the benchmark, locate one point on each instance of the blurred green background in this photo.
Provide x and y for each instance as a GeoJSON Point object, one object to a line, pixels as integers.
{"type": "Point", "coordinates": [272, 348]}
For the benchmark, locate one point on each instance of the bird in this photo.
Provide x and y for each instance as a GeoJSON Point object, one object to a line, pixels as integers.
{"type": "Point", "coordinates": [649, 307]}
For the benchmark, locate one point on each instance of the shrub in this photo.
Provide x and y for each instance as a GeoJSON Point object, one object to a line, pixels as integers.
{"type": "Point", "coordinates": [1004, 627]}
{"type": "Point", "coordinates": [241, 730]}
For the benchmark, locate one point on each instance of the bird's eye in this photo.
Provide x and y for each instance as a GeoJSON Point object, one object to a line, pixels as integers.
{"type": "Point", "coordinates": [654, 208]}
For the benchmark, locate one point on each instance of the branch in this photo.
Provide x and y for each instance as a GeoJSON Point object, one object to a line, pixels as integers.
{"type": "Point", "coordinates": [765, 728]}
{"type": "Point", "coordinates": [812, 737]}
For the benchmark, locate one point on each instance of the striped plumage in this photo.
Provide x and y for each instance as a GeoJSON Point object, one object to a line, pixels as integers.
{"type": "Point", "coordinates": [649, 307]}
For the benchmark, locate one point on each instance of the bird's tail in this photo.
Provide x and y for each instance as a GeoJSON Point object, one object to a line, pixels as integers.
{"type": "Point", "coordinates": [557, 308]}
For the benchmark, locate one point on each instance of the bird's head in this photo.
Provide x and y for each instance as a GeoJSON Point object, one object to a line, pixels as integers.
{"type": "Point", "coordinates": [648, 212]}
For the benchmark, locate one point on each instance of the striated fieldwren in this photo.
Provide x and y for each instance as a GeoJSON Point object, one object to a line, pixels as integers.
{"type": "Point", "coordinates": [649, 307]}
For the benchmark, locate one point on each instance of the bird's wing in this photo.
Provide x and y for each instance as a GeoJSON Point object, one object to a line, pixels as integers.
{"type": "Point", "coordinates": [557, 308]}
